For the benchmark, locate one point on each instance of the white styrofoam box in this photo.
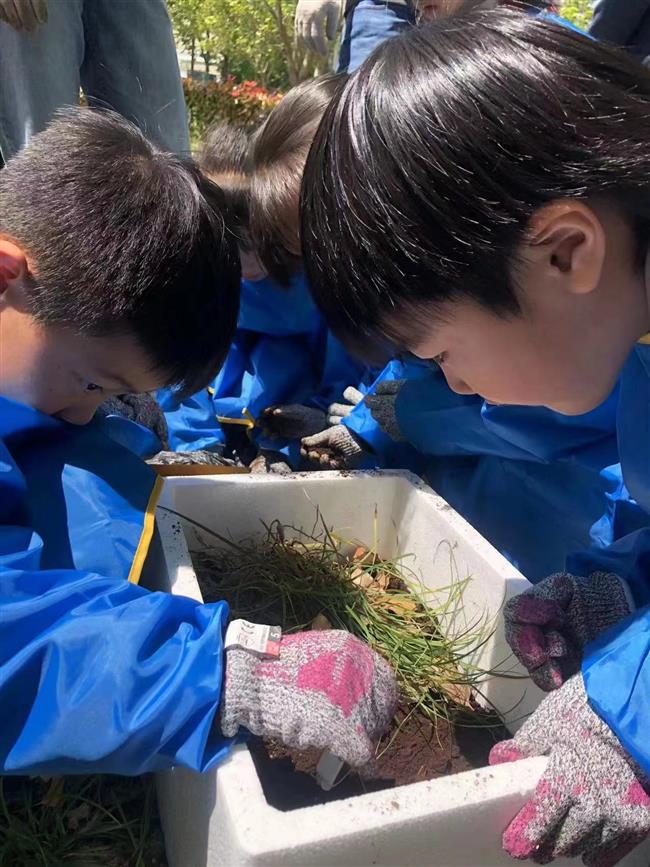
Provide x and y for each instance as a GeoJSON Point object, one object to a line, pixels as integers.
{"type": "Point", "coordinates": [222, 819]}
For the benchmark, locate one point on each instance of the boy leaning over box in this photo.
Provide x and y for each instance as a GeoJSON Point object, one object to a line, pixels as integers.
{"type": "Point", "coordinates": [523, 194]}
{"type": "Point", "coordinates": [118, 274]}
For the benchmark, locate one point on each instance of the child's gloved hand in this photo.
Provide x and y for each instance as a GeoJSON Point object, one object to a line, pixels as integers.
{"type": "Point", "coordinates": [326, 690]}
{"type": "Point", "coordinates": [381, 403]}
{"type": "Point", "coordinates": [268, 462]}
{"type": "Point", "coordinates": [336, 448]}
{"type": "Point", "coordinates": [336, 412]}
{"type": "Point", "coordinates": [295, 421]}
{"type": "Point", "coordinates": [592, 799]}
{"type": "Point", "coordinates": [292, 421]}
{"type": "Point", "coordinates": [548, 626]}
{"type": "Point", "coordinates": [25, 15]}
{"type": "Point", "coordinates": [316, 21]}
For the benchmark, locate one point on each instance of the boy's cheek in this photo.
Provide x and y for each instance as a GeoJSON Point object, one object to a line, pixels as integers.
{"type": "Point", "coordinates": [34, 387]}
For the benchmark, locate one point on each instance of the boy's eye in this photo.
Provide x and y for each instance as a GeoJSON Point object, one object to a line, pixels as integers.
{"type": "Point", "coordinates": [90, 386]}
{"type": "Point", "coordinates": [440, 359]}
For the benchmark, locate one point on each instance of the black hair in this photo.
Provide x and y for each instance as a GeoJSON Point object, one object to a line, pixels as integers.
{"type": "Point", "coordinates": [426, 170]}
{"type": "Point", "coordinates": [278, 156]}
{"type": "Point", "coordinates": [224, 150]}
{"type": "Point", "coordinates": [124, 239]}
{"type": "Point", "coordinates": [224, 157]}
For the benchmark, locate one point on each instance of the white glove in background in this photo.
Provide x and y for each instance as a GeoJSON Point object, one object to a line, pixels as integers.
{"type": "Point", "coordinates": [317, 22]}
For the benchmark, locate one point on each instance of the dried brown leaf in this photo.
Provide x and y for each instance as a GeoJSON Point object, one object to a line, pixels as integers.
{"type": "Point", "coordinates": [76, 816]}
{"type": "Point", "coordinates": [397, 604]}
{"type": "Point", "coordinates": [382, 580]}
{"type": "Point", "coordinates": [361, 578]}
{"type": "Point", "coordinates": [320, 623]}
{"type": "Point", "coordinates": [360, 553]}
{"type": "Point", "coordinates": [54, 796]}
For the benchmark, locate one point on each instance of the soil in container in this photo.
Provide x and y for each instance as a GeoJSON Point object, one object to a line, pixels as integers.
{"type": "Point", "coordinates": [314, 580]}
{"type": "Point", "coordinates": [412, 751]}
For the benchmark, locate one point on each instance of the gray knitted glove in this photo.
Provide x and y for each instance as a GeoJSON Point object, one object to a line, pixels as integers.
{"type": "Point", "coordinates": [336, 412]}
{"type": "Point", "coordinates": [326, 690]}
{"type": "Point", "coordinates": [292, 421]}
{"type": "Point", "coordinates": [592, 799]}
{"type": "Point", "coordinates": [140, 408]}
{"type": "Point", "coordinates": [269, 462]}
{"type": "Point", "coordinates": [548, 626]}
{"type": "Point", "coordinates": [381, 403]}
{"type": "Point", "coordinates": [336, 448]}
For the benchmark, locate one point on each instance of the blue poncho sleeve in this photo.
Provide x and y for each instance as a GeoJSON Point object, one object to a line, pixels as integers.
{"type": "Point", "coordinates": [97, 674]}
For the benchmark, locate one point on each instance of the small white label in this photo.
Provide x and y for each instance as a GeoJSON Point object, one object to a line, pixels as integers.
{"type": "Point", "coordinates": [328, 770]}
{"type": "Point", "coordinates": [257, 638]}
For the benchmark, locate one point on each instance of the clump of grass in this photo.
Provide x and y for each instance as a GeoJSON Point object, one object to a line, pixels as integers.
{"type": "Point", "coordinates": [97, 821]}
{"type": "Point", "coordinates": [296, 578]}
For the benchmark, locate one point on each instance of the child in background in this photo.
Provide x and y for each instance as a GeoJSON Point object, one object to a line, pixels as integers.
{"type": "Point", "coordinates": [118, 274]}
{"type": "Point", "coordinates": [278, 156]}
{"type": "Point", "coordinates": [196, 431]}
{"type": "Point", "coordinates": [536, 174]}
{"type": "Point", "coordinates": [282, 352]}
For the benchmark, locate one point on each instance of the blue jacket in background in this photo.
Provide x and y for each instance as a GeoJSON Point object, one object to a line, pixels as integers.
{"type": "Point", "coordinates": [536, 484]}
{"type": "Point", "coordinates": [97, 674]}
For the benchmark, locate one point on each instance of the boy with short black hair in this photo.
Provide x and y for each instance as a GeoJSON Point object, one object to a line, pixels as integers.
{"type": "Point", "coordinates": [119, 273]}
{"type": "Point", "coordinates": [509, 245]}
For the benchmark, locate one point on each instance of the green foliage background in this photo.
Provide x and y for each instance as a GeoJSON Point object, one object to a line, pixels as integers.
{"type": "Point", "coordinates": [254, 39]}
{"type": "Point", "coordinates": [578, 11]}
{"type": "Point", "coordinates": [246, 39]}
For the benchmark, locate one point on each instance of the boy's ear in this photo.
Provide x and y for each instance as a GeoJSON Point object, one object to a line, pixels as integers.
{"type": "Point", "coordinates": [13, 268]}
{"type": "Point", "coordinates": [568, 239]}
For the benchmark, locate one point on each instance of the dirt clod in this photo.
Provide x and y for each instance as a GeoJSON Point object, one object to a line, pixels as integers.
{"type": "Point", "coordinates": [417, 751]}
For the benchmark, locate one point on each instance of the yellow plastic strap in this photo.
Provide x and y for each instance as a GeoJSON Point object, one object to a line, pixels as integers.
{"type": "Point", "coordinates": [147, 533]}
{"type": "Point", "coordinates": [243, 422]}
{"type": "Point", "coordinates": [247, 421]}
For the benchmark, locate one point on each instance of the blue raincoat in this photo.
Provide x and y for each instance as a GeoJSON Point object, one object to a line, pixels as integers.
{"type": "Point", "coordinates": [97, 674]}
{"type": "Point", "coordinates": [282, 353]}
{"type": "Point", "coordinates": [616, 667]}
{"type": "Point", "coordinates": [537, 484]}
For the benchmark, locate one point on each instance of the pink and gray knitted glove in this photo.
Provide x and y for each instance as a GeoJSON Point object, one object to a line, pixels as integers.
{"type": "Point", "coordinates": [549, 625]}
{"type": "Point", "coordinates": [592, 799]}
{"type": "Point", "coordinates": [326, 690]}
